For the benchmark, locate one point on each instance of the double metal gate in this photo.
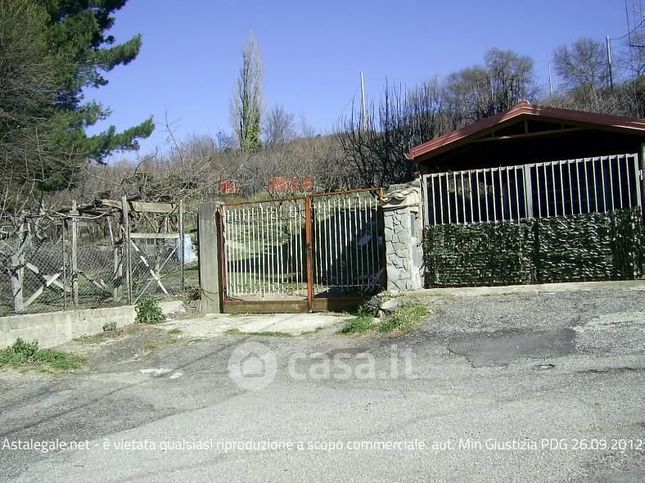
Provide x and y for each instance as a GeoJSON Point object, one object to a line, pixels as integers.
{"type": "Point", "coordinates": [315, 253]}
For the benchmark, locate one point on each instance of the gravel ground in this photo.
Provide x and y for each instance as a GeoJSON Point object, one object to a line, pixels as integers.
{"type": "Point", "coordinates": [541, 386]}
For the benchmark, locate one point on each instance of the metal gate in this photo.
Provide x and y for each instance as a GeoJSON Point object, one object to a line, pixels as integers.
{"type": "Point", "coordinates": [314, 253]}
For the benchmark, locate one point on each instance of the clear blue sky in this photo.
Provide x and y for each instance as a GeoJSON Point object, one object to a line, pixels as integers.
{"type": "Point", "coordinates": [313, 51]}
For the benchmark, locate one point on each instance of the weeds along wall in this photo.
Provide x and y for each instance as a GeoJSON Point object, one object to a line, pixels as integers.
{"type": "Point", "coordinates": [597, 246]}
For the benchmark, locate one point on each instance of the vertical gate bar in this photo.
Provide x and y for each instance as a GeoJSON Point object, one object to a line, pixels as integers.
{"type": "Point", "coordinates": [537, 187]}
{"type": "Point", "coordinates": [263, 262]}
{"type": "Point", "coordinates": [355, 232]}
{"type": "Point", "coordinates": [337, 248]}
{"type": "Point", "coordinates": [570, 186]}
{"type": "Point", "coordinates": [370, 247]}
{"type": "Point", "coordinates": [486, 194]}
{"type": "Point", "coordinates": [317, 244]}
{"type": "Point", "coordinates": [275, 280]}
{"type": "Point", "coordinates": [348, 253]}
{"type": "Point", "coordinates": [448, 199]}
{"type": "Point", "coordinates": [578, 183]}
{"type": "Point", "coordinates": [348, 249]}
{"type": "Point", "coordinates": [310, 262]}
{"type": "Point", "coordinates": [555, 191]}
{"type": "Point", "coordinates": [492, 182]}
{"type": "Point", "coordinates": [628, 182]}
{"type": "Point", "coordinates": [585, 162]}
{"type": "Point", "coordinates": [290, 243]}
{"type": "Point", "coordinates": [479, 201]}
{"type": "Point", "coordinates": [595, 185]}
{"type": "Point", "coordinates": [470, 193]}
{"type": "Point", "coordinates": [611, 180]}
{"type": "Point", "coordinates": [252, 251]}
{"type": "Point", "coordinates": [247, 251]}
{"type": "Point", "coordinates": [517, 193]}
{"type": "Point", "coordinates": [240, 250]}
{"type": "Point", "coordinates": [281, 254]}
{"type": "Point", "coordinates": [439, 178]}
{"type": "Point", "coordinates": [564, 209]}
{"type": "Point", "coordinates": [230, 231]}
{"type": "Point", "coordinates": [620, 184]}
{"type": "Point", "coordinates": [231, 241]}
{"type": "Point", "coordinates": [361, 276]}
{"type": "Point", "coordinates": [508, 191]}
{"type": "Point", "coordinates": [226, 245]}
{"type": "Point", "coordinates": [299, 260]}
{"type": "Point", "coordinates": [326, 243]}
{"type": "Point", "coordinates": [528, 191]}
{"type": "Point", "coordinates": [463, 198]}
{"type": "Point", "coordinates": [278, 288]}
{"type": "Point", "coordinates": [454, 184]}
{"type": "Point", "coordinates": [546, 190]}
{"type": "Point", "coordinates": [637, 178]}
{"type": "Point", "coordinates": [501, 192]}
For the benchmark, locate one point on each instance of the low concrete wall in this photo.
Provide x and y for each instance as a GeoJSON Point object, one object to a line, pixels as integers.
{"type": "Point", "coordinates": [55, 328]}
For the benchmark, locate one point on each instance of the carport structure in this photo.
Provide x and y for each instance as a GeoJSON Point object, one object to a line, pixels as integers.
{"type": "Point", "coordinates": [581, 171]}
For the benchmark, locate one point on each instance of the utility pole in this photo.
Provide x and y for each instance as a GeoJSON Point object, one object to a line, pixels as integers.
{"type": "Point", "coordinates": [611, 76]}
{"type": "Point", "coordinates": [363, 104]}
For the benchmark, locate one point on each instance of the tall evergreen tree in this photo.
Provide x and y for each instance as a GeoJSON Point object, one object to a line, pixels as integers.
{"type": "Point", "coordinates": [247, 102]}
{"type": "Point", "coordinates": [78, 37]}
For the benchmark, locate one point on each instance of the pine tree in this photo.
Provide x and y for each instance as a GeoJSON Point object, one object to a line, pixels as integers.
{"type": "Point", "coordinates": [78, 37]}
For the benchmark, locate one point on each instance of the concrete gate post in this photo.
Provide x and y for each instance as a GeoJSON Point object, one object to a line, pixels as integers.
{"type": "Point", "coordinates": [402, 216]}
{"type": "Point", "coordinates": [209, 258]}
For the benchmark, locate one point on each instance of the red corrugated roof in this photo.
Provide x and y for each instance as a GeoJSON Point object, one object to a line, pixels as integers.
{"type": "Point", "coordinates": [523, 110]}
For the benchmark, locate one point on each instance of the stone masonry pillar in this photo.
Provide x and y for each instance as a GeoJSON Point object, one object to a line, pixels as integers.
{"type": "Point", "coordinates": [402, 213]}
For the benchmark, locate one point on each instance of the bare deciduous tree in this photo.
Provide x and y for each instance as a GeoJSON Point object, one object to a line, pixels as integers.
{"type": "Point", "coordinates": [279, 127]}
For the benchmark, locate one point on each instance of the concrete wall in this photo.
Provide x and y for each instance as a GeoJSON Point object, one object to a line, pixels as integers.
{"type": "Point", "coordinates": [55, 328]}
{"type": "Point", "coordinates": [209, 258]}
{"type": "Point", "coordinates": [402, 217]}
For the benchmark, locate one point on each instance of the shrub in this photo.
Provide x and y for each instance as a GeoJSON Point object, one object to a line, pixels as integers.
{"type": "Point", "coordinates": [149, 311]}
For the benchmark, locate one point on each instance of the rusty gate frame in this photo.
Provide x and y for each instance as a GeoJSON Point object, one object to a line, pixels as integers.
{"type": "Point", "coordinates": [310, 303]}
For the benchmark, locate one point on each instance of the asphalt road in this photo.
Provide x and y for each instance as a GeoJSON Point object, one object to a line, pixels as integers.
{"type": "Point", "coordinates": [493, 386]}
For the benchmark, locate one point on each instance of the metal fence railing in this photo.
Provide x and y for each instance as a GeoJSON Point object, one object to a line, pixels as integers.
{"type": "Point", "coordinates": [537, 190]}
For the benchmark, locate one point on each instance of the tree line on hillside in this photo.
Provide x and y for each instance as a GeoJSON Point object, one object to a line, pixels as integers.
{"type": "Point", "coordinates": [51, 51]}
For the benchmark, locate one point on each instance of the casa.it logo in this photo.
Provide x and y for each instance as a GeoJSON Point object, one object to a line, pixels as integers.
{"type": "Point", "coordinates": [252, 366]}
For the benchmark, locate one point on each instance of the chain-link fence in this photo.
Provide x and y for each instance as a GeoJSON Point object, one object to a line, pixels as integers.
{"type": "Point", "coordinates": [77, 260]}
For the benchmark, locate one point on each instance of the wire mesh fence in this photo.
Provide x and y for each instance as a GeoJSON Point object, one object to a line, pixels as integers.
{"type": "Point", "coordinates": [73, 260]}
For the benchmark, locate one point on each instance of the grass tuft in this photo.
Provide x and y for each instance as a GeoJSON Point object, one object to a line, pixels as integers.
{"type": "Point", "coordinates": [23, 353]}
{"type": "Point", "coordinates": [404, 318]}
{"type": "Point", "coordinates": [363, 322]}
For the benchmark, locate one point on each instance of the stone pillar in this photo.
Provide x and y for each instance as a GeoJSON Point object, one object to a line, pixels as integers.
{"type": "Point", "coordinates": [403, 219]}
{"type": "Point", "coordinates": [209, 258]}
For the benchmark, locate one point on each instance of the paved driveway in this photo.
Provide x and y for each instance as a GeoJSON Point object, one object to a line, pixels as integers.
{"type": "Point", "coordinates": [544, 384]}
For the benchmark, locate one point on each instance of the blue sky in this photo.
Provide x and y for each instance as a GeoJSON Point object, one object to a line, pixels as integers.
{"type": "Point", "coordinates": [313, 51]}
